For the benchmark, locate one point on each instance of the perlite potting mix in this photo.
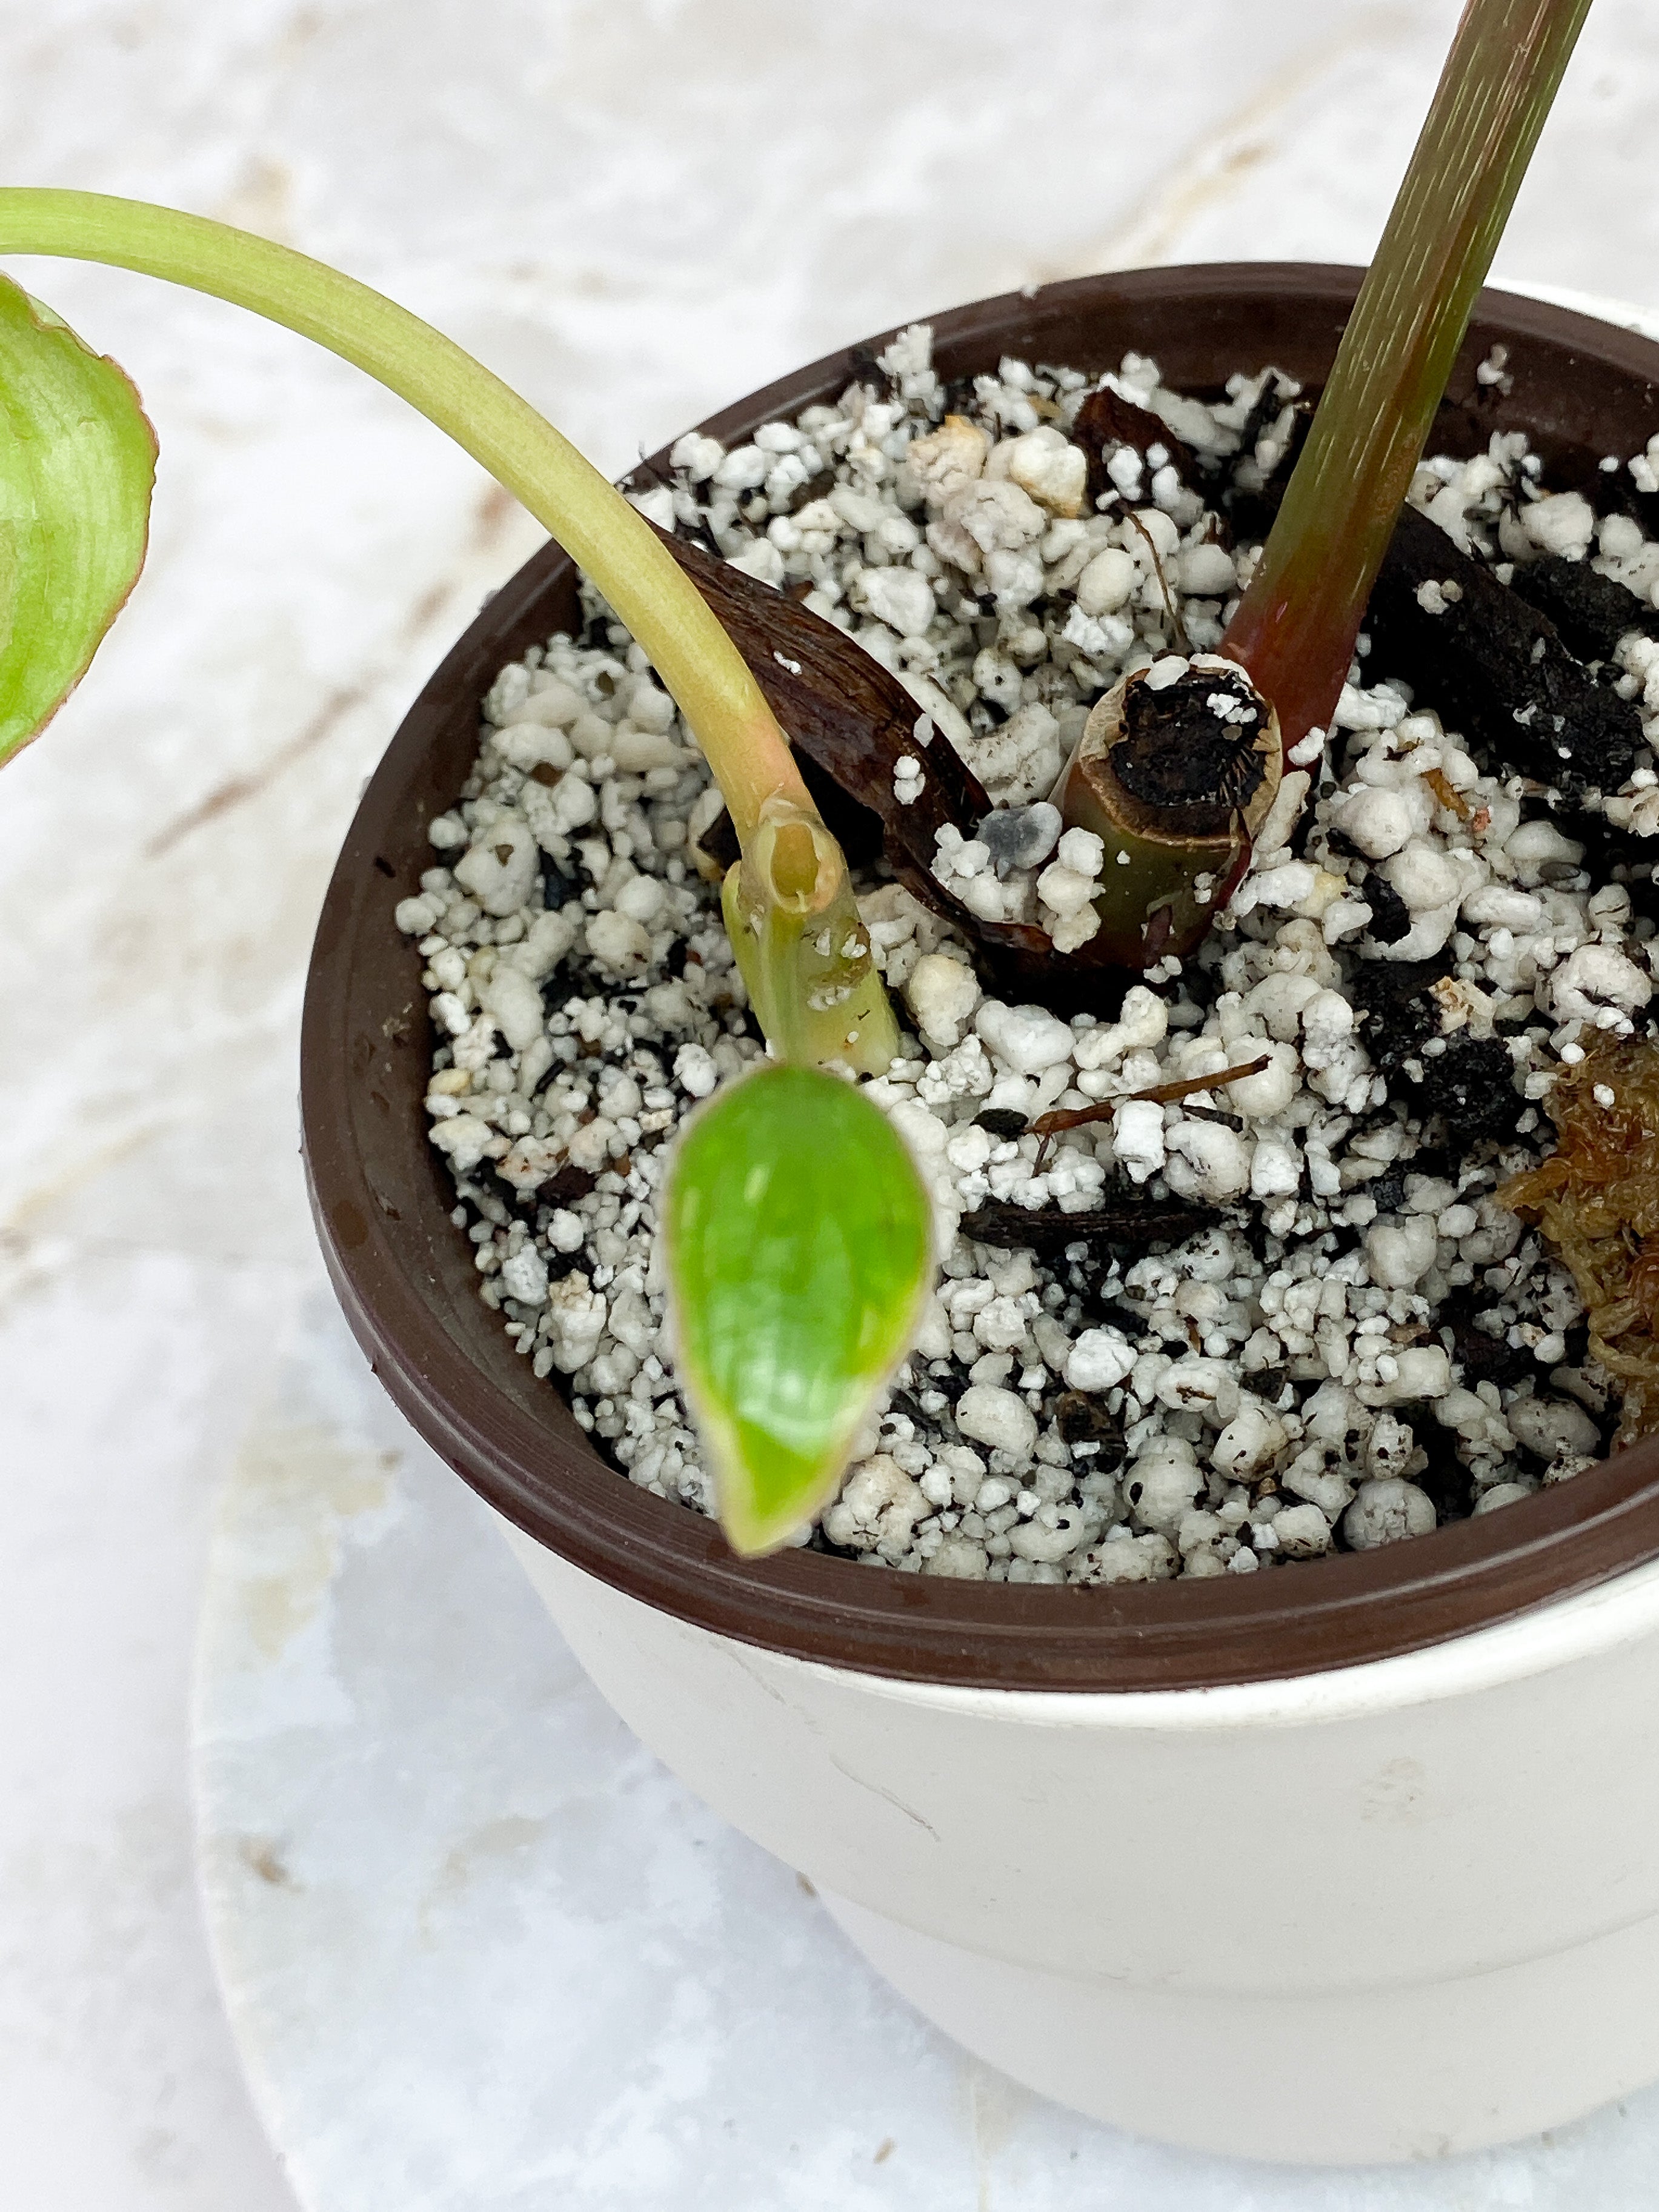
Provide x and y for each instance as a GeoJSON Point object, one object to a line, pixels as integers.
{"type": "Point", "coordinates": [1182, 1326]}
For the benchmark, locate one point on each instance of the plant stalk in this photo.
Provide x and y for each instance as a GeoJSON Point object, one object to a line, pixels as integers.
{"type": "Point", "coordinates": [1295, 626]}
{"type": "Point", "coordinates": [709, 679]}
{"type": "Point", "coordinates": [803, 950]}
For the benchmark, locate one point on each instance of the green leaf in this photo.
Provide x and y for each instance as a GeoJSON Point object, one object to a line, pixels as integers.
{"type": "Point", "coordinates": [77, 460]}
{"type": "Point", "coordinates": [798, 1235]}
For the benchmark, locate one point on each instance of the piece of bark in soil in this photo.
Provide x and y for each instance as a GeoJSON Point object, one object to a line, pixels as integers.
{"type": "Point", "coordinates": [867, 369]}
{"type": "Point", "coordinates": [1082, 1419]}
{"type": "Point", "coordinates": [1398, 1012]}
{"type": "Point", "coordinates": [1132, 1226]}
{"type": "Point", "coordinates": [1001, 1121]}
{"type": "Point", "coordinates": [568, 1187]}
{"type": "Point", "coordinates": [1592, 611]}
{"type": "Point", "coordinates": [1267, 1383]}
{"type": "Point", "coordinates": [1482, 1356]}
{"type": "Point", "coordinates": [1413, 558]}
{"type": "Point", "coordinates": [1611, 491]}
{"type": "Point", "coordinates": [1391, 918]}
{"type": "Point", "coordinates": [1471, 1086]}
{"type": "Point", "coordinates": [852, 720]}
{"type": "Point", "coordinates": [1496, 670]}
{"type": "Point", "coordinates": [1607, 848]}
{"type": "Point", "coordinates": [1106, 420]}
{"type": "Point", "coordinates": [525, 1204]}
{"type": "Point", "coordinates": [1446, 1482]}
{"type": "Point", "coordinates": [1249, 512]}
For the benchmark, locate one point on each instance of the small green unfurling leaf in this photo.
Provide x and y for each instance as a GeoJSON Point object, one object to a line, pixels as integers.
{"type": "Point", "coordinates": [77, 460]}
{"type": "Point", "coordinates": [798, 1235]}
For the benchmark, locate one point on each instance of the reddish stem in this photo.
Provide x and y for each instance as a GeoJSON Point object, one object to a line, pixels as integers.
{"type": "Point", "coordinates": [1295, 626]}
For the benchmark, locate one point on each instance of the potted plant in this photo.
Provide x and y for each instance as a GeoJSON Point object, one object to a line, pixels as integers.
{"type": "Point", "coordinates": [1044, 1813]}
{"type": "Point", "coordinates": [1100, 1835]}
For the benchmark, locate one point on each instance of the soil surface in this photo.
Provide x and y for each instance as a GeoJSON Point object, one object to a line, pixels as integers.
{"type": "Point", "coordinates": [1179, 1328]}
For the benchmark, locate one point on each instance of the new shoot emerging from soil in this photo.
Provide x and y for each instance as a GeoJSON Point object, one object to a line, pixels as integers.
{"type": "Point", "coordinates": [798, 1243]}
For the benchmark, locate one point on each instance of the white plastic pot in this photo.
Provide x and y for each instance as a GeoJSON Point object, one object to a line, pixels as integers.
{"type": "Point", "coordinates": [1346, 1862]}
{"type": "Point", "coordinates": [1390, 1911]}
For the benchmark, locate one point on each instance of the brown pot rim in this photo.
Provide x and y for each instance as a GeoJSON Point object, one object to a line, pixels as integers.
{"type": "Point", "coordinates": [402, 1272]}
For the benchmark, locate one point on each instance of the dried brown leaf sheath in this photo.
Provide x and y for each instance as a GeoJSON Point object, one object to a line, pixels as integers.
{"type": "Point", "coordinates": [854, 720]}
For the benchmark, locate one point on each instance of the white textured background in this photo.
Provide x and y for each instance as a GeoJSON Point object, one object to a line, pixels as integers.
{"type": "Point", "coordinates": [635, 209]}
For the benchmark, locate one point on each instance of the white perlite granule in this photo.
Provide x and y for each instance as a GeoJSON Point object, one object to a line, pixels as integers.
{"type": "Point", "coordinates": [1285, 1380]}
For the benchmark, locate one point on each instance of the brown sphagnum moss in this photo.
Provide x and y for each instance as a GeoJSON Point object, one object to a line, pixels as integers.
{"type": "Point", "coordinates": [1596, 1199]}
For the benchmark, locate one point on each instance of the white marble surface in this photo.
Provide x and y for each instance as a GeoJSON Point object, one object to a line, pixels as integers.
{"type": "Point", "coordinates": [483, 1953]}
{"type": "Point", "coordinates": [635, 209]}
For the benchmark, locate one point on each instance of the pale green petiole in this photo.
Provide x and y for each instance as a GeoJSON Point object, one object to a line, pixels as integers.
{"type": "Point", "coordinates": [799, 1228]}
{"type": "Point", "coordinates": [724, 706]}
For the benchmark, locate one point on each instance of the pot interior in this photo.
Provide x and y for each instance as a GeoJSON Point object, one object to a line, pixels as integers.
{"type": "Point", "coordinates": [1581, 389]}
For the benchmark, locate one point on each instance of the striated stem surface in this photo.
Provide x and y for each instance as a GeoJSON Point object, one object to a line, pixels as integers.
{"type": "Point", "coordinates": [1295, 630]}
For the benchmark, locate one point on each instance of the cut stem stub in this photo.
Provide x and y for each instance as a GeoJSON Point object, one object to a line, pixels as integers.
{"type": "Point", "coordinates": [802, 948]}
{"type": "Point", "coordinates": [1175, 772]}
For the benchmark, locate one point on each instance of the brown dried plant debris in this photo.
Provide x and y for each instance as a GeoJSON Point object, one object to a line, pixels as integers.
{"type": "Point", "coordinates": [851, 718]}
{"type": "Point", "coordinates": [1051, 1125]}
{"type": "Point", "coordinates": [1596, 1198]}
{"type": "Point", "coordinates": [1106, 421]}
